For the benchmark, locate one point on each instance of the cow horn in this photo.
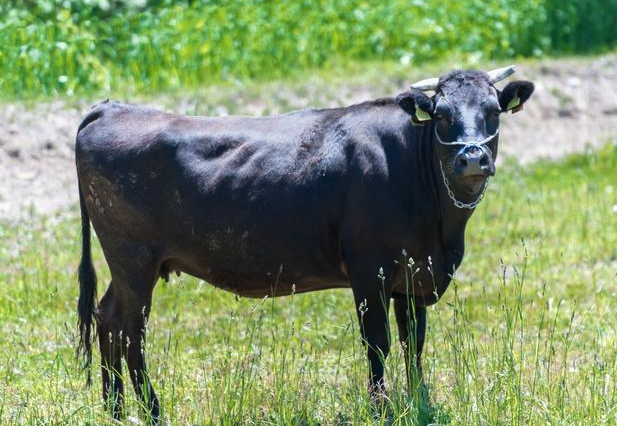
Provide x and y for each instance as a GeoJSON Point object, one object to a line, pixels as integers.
{"type": "Point", "coordinates": [427, 84]}
{"type": "Point", "coordinates": [501, 73]}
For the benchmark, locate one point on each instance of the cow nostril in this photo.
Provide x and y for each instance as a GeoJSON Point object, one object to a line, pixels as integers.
{"type": "Point", "coordinates": [462, 162]}
{"type": "Point", "coordinates": [484, 161]}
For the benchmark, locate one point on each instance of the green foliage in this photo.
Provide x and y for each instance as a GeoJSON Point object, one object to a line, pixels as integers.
{"type": "Point", "coordinates": [69, 46]}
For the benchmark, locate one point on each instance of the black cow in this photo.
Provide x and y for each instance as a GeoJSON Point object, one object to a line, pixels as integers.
{"type": "Point", "coordinates": [310, 200]}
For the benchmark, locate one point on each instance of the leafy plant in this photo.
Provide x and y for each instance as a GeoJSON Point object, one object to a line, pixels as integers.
{"type": "Point", "coordinates": [67, 46]}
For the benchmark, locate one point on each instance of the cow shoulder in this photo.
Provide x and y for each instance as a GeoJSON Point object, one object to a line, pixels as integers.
{"type": "Point", "coordinates": [376, 132]}
{"type": "Point", "coordinates": [377, 198]}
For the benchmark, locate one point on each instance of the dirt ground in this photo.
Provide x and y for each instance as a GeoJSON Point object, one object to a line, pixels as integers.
{"type": "Point", "coordinates": [574, 106]}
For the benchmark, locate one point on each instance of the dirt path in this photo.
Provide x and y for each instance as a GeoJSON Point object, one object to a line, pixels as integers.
{"type": "Point", "coordinates": [575, 105]}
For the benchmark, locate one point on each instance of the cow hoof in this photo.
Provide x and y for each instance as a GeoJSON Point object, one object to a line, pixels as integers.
{"type": "Point", "coordinates": [378, 394]}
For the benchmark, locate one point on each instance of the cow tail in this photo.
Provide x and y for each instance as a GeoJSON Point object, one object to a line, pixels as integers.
{"type": "Point", "coordinates": [87, 293]}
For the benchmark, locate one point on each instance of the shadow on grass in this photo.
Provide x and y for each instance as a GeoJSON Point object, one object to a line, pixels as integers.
{"type": "Point", "coordinates": [401, 410]}
{"type": "Point", "coordinates": [417, 410]}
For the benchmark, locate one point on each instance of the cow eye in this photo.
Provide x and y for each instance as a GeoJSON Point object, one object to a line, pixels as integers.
{"type": "Point", "coordinates": [441, 115]}
{"type": "Point", "coordinates": [495, 112]}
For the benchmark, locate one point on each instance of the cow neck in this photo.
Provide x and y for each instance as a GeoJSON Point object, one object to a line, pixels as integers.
{"type": "Point", "coordinates": [452, 218]}
{"type": "Point", "coordinates": [431, 200]}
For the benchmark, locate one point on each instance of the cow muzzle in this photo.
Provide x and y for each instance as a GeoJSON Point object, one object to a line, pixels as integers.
{"type": "Point", "coordinates": [474, 161]}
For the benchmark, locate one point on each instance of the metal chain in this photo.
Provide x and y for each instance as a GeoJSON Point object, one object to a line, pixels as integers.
{"type": "Point", "coordinates": [458, 203]}
{"type": "Point", "coordinates": [480, 145]}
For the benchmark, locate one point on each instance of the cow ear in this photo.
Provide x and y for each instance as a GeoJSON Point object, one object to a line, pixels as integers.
{"type": "Point", "coordinates": [514, 95]}
{"type": "Point", "coordinates": [417, 105]}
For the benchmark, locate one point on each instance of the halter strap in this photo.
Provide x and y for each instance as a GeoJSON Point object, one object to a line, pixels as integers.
{"type": "Point", "coordinates": [468, 143]}
{"type": "Point", "coordinates": [480, 145]}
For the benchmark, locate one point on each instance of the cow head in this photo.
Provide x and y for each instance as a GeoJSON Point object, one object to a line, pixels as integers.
{"type": "Point", "coordinates": [464, 120]}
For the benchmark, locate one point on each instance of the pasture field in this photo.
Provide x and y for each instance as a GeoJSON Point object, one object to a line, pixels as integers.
{"type": "Point", "coordinates": [524, 336]}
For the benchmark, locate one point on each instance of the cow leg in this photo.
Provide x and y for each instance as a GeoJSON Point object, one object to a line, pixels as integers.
{"type": "Point", "coordinates": [134, 271]}
{"type": "Point", "coordinates": [109, 332]}
{"type": "Point", "coordinates": [372, 297]}
{"type": "Point", "coordinates": [136, 313]}
{"type": "Point", "coordinates": [135, 359]}
{"type": "Point", "coordinates": [411, 322]}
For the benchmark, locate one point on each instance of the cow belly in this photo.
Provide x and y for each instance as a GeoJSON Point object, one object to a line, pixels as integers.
{"type": "Point", "coordinates": [259, 277]}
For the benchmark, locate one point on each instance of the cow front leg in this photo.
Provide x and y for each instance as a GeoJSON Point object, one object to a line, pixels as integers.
{"type": "Point", "coordinates": [411, 321]}
{"type": "Point", "coordinates": [372, 291]}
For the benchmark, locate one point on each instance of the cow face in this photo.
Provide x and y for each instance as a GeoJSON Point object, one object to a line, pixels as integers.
{"type": "Point", "coordinates": [465, 110]}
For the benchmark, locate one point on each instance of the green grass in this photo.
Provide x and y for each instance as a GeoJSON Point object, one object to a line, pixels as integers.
{"type": "Point", "coordinates": [525, 336]}
{"type": "Point", "coordinates": [76, 47]}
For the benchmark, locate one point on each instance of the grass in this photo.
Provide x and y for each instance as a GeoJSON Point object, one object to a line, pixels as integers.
{"type": "Point", "coordinates": [524, 336]}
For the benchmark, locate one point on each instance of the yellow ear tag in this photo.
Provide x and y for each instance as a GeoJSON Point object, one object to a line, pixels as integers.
{"type": "Point", "coordinates": [422, 115]}
{"type": "Point", "coordinates": [516, 101]}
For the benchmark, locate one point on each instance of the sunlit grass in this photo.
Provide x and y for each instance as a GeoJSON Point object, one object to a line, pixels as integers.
{"type": "Point", "coordinates": [524, 336]}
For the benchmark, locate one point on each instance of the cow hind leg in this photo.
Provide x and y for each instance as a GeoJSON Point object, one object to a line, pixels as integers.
{"type": "Point", "coordinates": [136, 362]}
{"type": "Point", "coordinates": [134, 276]}
{"type": "Point", "coordinates": [109, 327]}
